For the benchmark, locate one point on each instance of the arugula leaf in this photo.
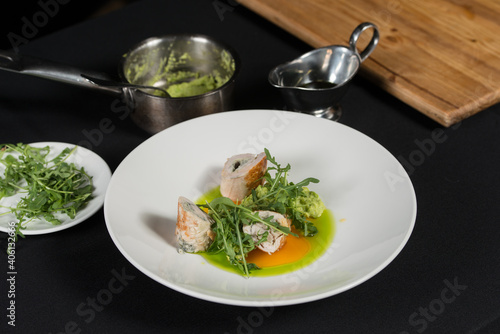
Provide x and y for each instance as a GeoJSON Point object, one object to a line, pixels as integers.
{"type": "Point", "coordinates": [279, 195]}
{"type": "Point", "coordinates": [51, 186]}
{"type": "Point", "coordinates": [229, 220]}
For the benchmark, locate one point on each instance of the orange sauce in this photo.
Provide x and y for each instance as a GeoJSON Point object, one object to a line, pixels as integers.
{"type": "Point", "coordinates": [297, 252]}
{"type": "Point", "coordinates": [294, 249]}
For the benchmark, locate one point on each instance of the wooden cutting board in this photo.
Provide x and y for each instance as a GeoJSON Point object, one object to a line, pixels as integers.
{"type": "Point", "coordinates": [441, 57]}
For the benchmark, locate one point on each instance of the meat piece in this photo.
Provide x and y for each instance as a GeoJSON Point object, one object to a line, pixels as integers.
{"type": "Point", "coordinates": [193, 230]}
{"type": "Point", "coordinates": [275, 239]}
{"type": "Point", "coordinates": [241, 174]}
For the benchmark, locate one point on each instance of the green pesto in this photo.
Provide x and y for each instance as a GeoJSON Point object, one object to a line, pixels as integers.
{"type": "Point", "coordinates": [197, 86]}
{"type": "Point", "coordinates": [180, 83]}
{"type": "Point", "coordinates": [309, 204]}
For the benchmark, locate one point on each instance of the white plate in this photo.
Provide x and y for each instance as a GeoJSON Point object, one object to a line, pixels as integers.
{"type": "Point", "coordinates": [365, 187]}
{"type": "Point", "coordinates": [82, 157]}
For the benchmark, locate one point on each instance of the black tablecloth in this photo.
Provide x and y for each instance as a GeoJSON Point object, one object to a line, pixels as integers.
{"type": "Point", "coordinates": [445, 280]}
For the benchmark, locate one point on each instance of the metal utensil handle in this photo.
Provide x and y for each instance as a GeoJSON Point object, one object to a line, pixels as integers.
{"type": "Point", "coordinates": [47, 69]}
{"type": "Point", "coordinates": [373, 42]}
{"type": "Point", "coordinates": [109, 83]}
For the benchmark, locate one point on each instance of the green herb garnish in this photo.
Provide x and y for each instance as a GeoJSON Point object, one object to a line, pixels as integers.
{"type": "Point", "coordinates": [51, 186]}
{"type": "Point", "coordinates": [279, 196]}
{"type": "Point", "coordinates": [229, 220]}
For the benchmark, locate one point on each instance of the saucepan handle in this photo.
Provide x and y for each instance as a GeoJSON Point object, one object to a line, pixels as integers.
{"type": "Point", "coordinates": [47, 69]}
{"type": "Point", "coordinates": [371, 45]}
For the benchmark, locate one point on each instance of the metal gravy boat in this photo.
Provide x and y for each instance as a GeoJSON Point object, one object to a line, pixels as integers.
{"type": "Point", "coordinates": [315, 82]}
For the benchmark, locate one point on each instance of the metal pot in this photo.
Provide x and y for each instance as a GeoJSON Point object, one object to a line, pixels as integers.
{"type": "Point", "coordinates": [138, 69]}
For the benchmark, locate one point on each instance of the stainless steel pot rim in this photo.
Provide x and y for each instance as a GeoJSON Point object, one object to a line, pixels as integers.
{"type": "Point", "coordinates": [234, 54]}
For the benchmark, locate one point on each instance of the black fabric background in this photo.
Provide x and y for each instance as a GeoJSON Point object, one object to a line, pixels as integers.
{"type": "Point", "coordinates": [457, 186]}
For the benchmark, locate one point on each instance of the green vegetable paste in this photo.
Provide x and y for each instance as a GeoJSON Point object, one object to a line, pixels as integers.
{"type": "Point", "coordinates": [171, 73]}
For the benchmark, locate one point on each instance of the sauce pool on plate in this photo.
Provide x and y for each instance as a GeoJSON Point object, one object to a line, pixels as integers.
{"type": "Point", "coordinates": [297, 252]}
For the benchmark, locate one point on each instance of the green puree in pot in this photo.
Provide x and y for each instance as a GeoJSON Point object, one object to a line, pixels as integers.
{"type": "Point", "coordinates": [173, 74]}
{"type": "Point", "coordinates": [197, 86]}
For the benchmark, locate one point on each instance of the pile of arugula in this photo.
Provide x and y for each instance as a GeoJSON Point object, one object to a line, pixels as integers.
{"type": "Point", "coordinates": [51, 186]}
{"type": "Point", "coordinates": [229, 217]}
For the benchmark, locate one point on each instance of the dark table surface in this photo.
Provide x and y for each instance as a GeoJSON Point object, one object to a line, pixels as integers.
{"type": "Point", "coordinates": [445, 280]}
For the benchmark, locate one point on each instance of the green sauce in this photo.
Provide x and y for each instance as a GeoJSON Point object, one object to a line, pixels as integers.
{"type": "Point", "coordinates": [197, 86]}
{"type": "Point", "coordinates": [319, 244]}
{"type": "Point", "coordinates": [173, 74]}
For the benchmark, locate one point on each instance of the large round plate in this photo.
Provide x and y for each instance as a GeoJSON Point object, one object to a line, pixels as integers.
{"type": "Point", "coordinates": [364, 186]}
{"type": "Point", "coordinates": [94, 165]}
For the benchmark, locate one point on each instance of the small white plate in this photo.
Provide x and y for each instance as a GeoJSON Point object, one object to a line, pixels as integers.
{"type": "Point", "coordinates": [364, 186]}
{"type": "Point", "coordinates": [94, 165]}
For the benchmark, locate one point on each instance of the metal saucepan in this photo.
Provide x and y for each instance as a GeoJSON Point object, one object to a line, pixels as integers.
{"type": "Point", "coordinates": [149, 72]}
